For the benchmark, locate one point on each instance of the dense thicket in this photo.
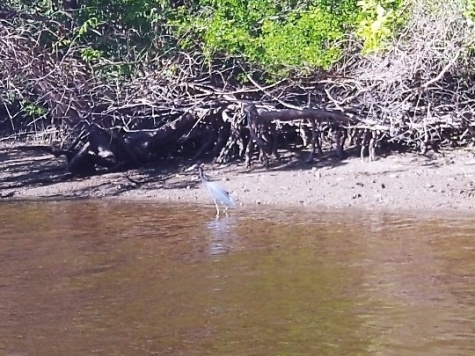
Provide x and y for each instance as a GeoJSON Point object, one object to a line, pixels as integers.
{"type": "Point", "coordinates": [118, 83]}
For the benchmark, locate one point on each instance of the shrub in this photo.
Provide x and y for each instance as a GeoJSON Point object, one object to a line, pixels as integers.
{"type": "Point", "coordinates": [274, 35]}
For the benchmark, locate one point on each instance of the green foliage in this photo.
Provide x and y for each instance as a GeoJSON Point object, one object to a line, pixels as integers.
{"type": "Point", "coordinates": [88, 25]}
{"type": "Point", "coordinates": [89, 55]}
{"type": "Point", "coordinates": [377, 22]}
{"type": "Point", "coordinates": [31, 109]}
{"type": "Point", "coordinates": [43, 6]}
{"type": "Point", "coordinates": [304, 40]}
{"type": "Point", "coordinates": [277, 36]}
{"type": "Point", "coordinates": [470, 12]}
{"type": "Point", "coordinates": [128, 14]}
{"type": "Point", "coordinates": [285, 34]}
{"type": "Point", "coordinates": [125, 23]}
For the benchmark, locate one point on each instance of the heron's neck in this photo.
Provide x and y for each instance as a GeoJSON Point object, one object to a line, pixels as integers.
{"type": "Point", "coordinates": [200, 172]}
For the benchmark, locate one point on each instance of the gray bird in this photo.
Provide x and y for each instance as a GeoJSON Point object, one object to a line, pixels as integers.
{"type": "Point", "coordinates": [218, 193]}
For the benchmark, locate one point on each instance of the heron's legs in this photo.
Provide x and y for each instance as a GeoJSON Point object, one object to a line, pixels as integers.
{"type": "Point", "coordinates": [217, 209]}
{"type": "Point", "coordinates": [226, 211]}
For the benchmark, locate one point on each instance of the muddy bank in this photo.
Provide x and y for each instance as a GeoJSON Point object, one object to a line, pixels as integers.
{"type": "Point", "coordinates": [403, 181]}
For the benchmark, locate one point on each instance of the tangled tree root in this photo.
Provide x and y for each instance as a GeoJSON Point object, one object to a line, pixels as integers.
{"type": "Point", "coordinates": [418, 96]}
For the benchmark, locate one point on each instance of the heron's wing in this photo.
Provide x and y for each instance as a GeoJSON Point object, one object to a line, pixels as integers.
{"type": "Point", "coordinates": [230, 199]}
{"type": "Point", "coordinates": [220, 194]}
{"type": "Point", "coordinates": [225, 192]}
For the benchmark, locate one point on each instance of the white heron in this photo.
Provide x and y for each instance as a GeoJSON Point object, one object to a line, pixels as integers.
{"type": "Point", "coordinates": [217, 192]}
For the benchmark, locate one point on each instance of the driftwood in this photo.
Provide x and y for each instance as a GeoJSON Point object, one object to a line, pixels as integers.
{"type": "Point", "coordinates": [305, 114]}
{"type": "Point", "coordinates": [261, 125]}
{"type": "Point", "coordinates": [171, 132]}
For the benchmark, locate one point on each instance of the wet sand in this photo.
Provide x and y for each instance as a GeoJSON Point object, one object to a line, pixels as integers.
{"type": "Point", "coordinates": [444, 181]}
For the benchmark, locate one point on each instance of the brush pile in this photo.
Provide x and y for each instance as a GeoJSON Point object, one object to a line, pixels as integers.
{"type": "Point", "coordinates": [419, 95]}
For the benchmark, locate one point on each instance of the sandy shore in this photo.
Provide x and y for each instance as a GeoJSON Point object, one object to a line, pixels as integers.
{"type": "Point", "coordinates": [443, 181]}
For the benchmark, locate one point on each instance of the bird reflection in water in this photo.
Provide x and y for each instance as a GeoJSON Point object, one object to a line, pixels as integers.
{"type": "Point", "coordinates": [222, 238]}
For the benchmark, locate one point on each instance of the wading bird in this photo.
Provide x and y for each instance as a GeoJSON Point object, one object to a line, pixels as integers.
{"type": "Point", "coordinates": [219, 194]}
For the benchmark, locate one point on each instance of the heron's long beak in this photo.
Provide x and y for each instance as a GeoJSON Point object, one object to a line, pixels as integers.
{"type": "Point", "coordinates": [192, 168]}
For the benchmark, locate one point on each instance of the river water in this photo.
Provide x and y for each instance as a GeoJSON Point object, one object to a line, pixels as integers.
{"type": "Point", "coordinates": [130, 278]}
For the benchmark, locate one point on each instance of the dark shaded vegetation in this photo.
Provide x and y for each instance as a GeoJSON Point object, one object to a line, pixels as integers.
{"type": "Point", "coordinates": [114, 85]}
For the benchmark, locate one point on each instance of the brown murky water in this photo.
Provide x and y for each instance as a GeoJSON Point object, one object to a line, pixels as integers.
{"type": "Point", "coordinates": [116, 278]}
